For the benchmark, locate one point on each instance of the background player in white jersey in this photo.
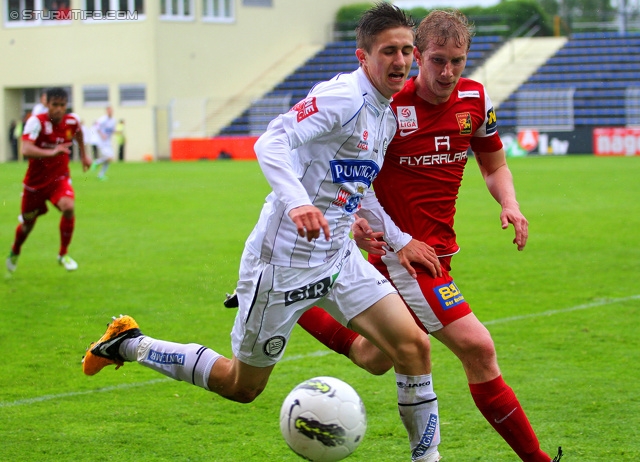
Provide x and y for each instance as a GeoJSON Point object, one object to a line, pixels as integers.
{"type": "Point", "coordinates": [105, 127]}
{"type": "Point", "coordinates": [440, 115]}
{"type": "Point", "coordinates": [320, 159]}
{"type": "Point", "coordinates": [41, 106]}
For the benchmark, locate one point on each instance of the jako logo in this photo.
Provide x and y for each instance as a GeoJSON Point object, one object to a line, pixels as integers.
{"type": "Point", "coordinates": [413, 385]}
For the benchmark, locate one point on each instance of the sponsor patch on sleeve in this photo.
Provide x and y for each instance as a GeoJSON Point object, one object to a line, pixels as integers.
{"type": "Point", "coordinates": [449, 295]}
{"type": "Point", "coordinates": [305, 108]}
{"type": "Point", "coordinates": [492, 121]}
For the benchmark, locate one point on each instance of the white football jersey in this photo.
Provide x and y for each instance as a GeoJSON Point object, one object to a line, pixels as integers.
{"type": "Point", "coordinates": [326, 151]}
{"type": "Point", "coordinates": [106, 125]}
{"type": "Point", "coordinates": [39, 109]}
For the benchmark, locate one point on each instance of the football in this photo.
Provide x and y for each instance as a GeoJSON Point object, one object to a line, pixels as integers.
{"type": "Point", "coordinates": [323, 419]}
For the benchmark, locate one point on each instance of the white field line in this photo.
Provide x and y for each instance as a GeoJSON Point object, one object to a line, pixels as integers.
{"type": "Point", "coordinates": [125, 386]}
{"type": "Point", "coordinates": [586, 306]}
{"type": "Point", "coordinates": [39, 399]}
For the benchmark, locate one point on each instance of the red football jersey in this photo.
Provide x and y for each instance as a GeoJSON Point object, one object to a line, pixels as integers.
{"type": "Point", "coordinates": [45, 134]}
{"type": "Point", "coordinates": [422, 171]}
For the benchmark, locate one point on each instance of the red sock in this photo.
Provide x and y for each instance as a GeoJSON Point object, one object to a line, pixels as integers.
{"type": "Point", "coordinates": [66, 232]}
{"type": "Point", "coordinates": [498, 404]}
{"type": "Point", "coordinates": [21, 236]}
{"type": "Point", "coordinates": [327, 330]}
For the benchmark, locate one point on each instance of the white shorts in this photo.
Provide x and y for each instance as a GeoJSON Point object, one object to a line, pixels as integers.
{"type": "Point", "coordinates": [106, 150]}
{"type": "Point", "coordinates": [272, 298]}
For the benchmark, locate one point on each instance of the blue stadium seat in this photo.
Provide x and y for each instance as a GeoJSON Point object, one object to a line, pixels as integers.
{"type": "Point", "coordinates": [598, 66]}
{"type": "Point", "coordinates": [338, 57]}
{"type": "Point", "coordinates": [591, 67]}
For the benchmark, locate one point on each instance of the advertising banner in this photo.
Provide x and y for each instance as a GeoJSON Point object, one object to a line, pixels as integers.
{"type": "Point", "coordinates": [614, 141]}
{"type": "Point", "coordinates": [530, 141]}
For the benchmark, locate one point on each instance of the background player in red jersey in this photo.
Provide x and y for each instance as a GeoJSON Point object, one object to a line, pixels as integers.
{"type": "Point", "coordinates": [47, 140]}
{"type": "Point", "coordinates": [440, 115]}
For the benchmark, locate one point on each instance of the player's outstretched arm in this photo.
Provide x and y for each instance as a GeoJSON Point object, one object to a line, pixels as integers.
{"type": "Point", "coordinates": [499, 181]}
{"type": "Point", "coordinates": [29, 149]}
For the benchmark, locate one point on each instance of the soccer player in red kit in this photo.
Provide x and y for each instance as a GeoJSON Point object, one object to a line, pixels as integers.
{"type": "Point", "coordinates": [46, 142]}
{"type": "Point", "coordinates": [440, 116]}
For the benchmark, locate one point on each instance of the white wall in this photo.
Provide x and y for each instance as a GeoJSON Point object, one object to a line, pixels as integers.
{"type": "Point", "coordinates": [174, 59]}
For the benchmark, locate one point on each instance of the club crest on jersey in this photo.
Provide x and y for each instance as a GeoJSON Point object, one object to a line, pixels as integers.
{"type": "Point", "coordinates": [348, 201]}
{"type": "Point", "coordinates": [363, 144]}
{"type": "Point", "coordinates": [464, 122]}
{"type": "Point", "coordinates": [305, 108]}
{"type": "Point", "coordinates": [274, 346]}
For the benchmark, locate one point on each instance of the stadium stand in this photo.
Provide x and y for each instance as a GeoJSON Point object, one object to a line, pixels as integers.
{"type": "Point", "coordinates": [593, 80]}
{"type": "Point", "coordinates": [336, 57]}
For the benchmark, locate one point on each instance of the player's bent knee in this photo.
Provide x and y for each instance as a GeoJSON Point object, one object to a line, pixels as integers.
{"type": "Point", "coordinates": [369, 357]}
{"type": "Point", "coordinates": [28, 227]}
{"type": "Point", "coordinates": [412, 352]}
{"type": "Point", "coordinates": [482, 346]}
{"type": "Point", "coordinates": [379, 366]}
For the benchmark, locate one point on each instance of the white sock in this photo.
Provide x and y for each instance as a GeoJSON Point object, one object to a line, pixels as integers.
{"type": "Point", "coordinates": [418, 408]}
{"type": "Point", "coordinates": [190, 362]}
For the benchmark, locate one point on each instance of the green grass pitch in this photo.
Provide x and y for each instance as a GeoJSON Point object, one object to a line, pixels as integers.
{"type": "Point", "coordinates": [162, 242]}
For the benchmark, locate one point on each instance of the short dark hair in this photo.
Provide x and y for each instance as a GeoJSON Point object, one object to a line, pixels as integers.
{"type": "Point", "coordinates": [57, 92]}
{"type": "Point", "coordinates": [442, 25]}
{"type": "Point", "coordinates": [377, 19]}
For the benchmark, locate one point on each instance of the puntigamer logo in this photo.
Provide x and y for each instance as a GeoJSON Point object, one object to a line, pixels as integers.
{"type": "Point", "coordinates": [354, 171]}
{"type": "Point", "coordinates": [166, 358]}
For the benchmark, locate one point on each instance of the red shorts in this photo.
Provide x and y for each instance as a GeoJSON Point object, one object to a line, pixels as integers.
{"type": "Point", "coordinates": [34, 201]}
{"type": "Point", "coordinates": [434, 302]}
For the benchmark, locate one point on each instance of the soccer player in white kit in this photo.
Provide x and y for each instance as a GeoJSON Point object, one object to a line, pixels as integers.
{"type": "Point", "coordinates": [105, 127]}
{"type": "Point", "coordinates": [41, 107]}
{"type": "Point", "coordinates": [320, 158]}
